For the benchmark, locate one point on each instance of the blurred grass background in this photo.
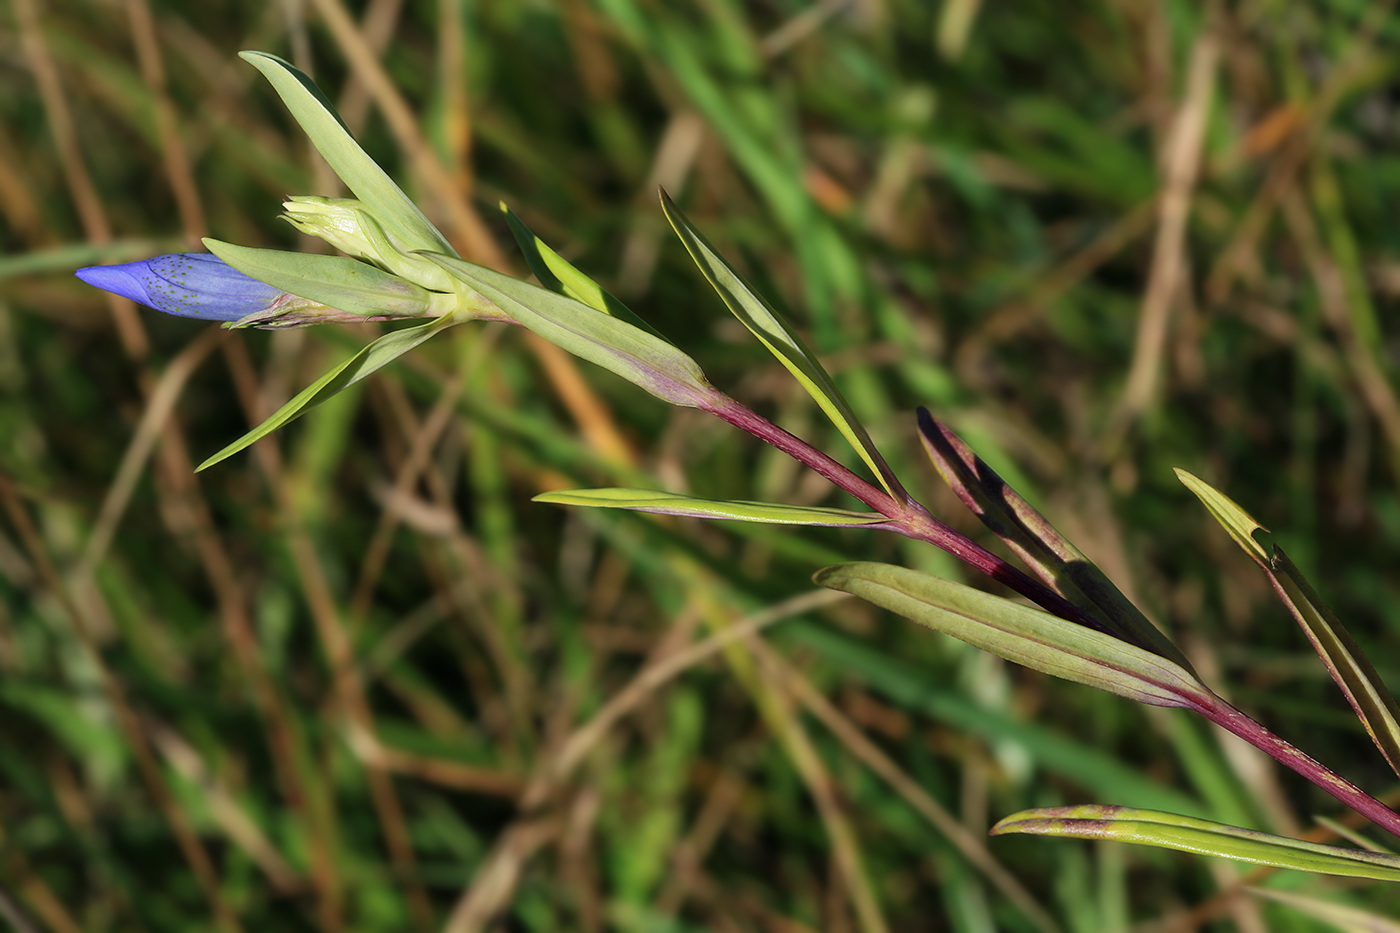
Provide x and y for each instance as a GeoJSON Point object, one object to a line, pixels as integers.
{"type": "Point", "coordinates": [355, 680]}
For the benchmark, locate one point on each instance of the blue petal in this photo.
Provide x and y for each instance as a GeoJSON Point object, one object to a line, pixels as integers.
{"type": "Point", "coordinates": [198, 285]}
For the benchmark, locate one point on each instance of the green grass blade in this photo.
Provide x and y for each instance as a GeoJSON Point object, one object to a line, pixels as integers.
{"type": "Point", "coordinates": [1187, 834]}
{"type": "Point", "coordinates": [1345, 661]}
{"type": "Point", "coordinates": [1235, 520]}
{"type": "Point", "coordinates": [1049, 555]}
{"type": "Point", "coordinates": [399, 215]}
{"type": "Point", "coordinates": [559, 275]}
{"type": "Point", "coordinates": [630, 352]}
{"type": "Point", "coordinates": [782, 341]}
{"type": "Point", "coordinates": [370, 359]}
{"type": "Point", "coordinates": [670, 503]}
{"type": "Point", "coordinates": [1028, 636]}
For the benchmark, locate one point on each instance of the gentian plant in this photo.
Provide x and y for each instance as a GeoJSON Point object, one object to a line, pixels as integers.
{"type": "Point", "coordinates": [1078, 626]}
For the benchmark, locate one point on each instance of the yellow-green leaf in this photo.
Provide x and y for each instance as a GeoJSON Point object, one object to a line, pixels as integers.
{"type": "Point", "coordinates": [373, 357]}
{"type": "Point", "coordinates": [634, 354]}
{"type": "Point", "coordinates": [361, 174]}
{"type": "Point", "coordinates": [1235, 520]}
{"type": "Point", "coordinates": [782, 341]}
{"type": "Point", "coordinates": [1349, 667]}
{"type": "Point", "coordinates": [1187, 834]}
{"type": "Point", "coordinates": [1023, 634]}
{"type": "Point", "coordinates": [559, 275]}
{"type": "Point", "coordinates": [670, 503]}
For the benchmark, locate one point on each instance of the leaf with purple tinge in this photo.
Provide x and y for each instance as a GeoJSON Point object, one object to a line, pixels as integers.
{"type": "Point", "coordinates": [1023, 634]}
{"type": "Point", "coordinates": [782, 341]}
{"type": "Point", "coordinates": [1345, 661]}
{"type": "Point", "coordinates": [1202, 837]}
{"type": "Point", "coordinates": [1053, 559]}
{"type": "Point", "coordinates": [670, 503]}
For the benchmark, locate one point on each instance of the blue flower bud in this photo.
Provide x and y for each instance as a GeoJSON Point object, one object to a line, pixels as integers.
{"type": "Point", "coordinates": [197, 285]}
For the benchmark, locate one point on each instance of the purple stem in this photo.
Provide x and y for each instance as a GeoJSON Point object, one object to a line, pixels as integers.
{"type": "Point", "coordinates": [907, 518]}
{"type": "Point", "coordinates": [913, 520]}
{"type": "Point", "coordinates": [1236, 722]}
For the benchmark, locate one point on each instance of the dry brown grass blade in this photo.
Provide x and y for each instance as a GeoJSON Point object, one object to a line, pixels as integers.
{"type": "Point", "coordinates": [494, 884]}
{"type": "Point", "coordinates": [465, 226]}
{"type": "Point", "coordinates": [159, 407]}
{"type": "Point", "coordinates": [972, 847]}
{"type": "Point", "coordinates": [1181, 159]}
{"type": "Point", "coordinates": [225, 810]}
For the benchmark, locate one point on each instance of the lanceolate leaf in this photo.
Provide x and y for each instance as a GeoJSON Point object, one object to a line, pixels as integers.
{"type": "Point", "coordinates": [1235, 520]}
{"type": "Point", "coordinates": [338, 281]}
{"type": "Point", "coordinates": [1349, 667]}
{"type": "Point", "coordinates": [1168, 830]}
{"type": "Point", "coordinates": [669, 503]}
{"type": "Point", "coordinates": [782, 341]}
{"type": "Point", "coordinates": [399, 215]}
{"type": "Point", "coordinates": [373, 357]}
{"type": "Point", "coordinates": [1345, 661]}
{"type": "Point", "coordinates": [1028, 636]}
{"type": "Point", "coordinates": [1048, 554]}
{"type": "Point", "coordinates": [634, 354]}
{"type": "Point", "coordinates": [559, 275]}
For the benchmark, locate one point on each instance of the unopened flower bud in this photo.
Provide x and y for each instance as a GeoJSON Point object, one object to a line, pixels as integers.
{"type": "Point", "coordinates": [350, 227]}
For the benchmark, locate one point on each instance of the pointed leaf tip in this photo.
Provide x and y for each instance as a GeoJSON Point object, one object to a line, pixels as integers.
{"type": "Point", "coordinates": [1238, 523]}
{"type": "Point", "coordinates": [782, 341]}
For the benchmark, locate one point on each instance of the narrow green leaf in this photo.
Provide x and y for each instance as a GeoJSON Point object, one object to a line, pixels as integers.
{"type": "Point", "coordinates": [1341, 916]}
{"type": "Point", "coordinates": [559, 275]}
{"type": "Point", "coordinates": [399, 215]}
{"type": "Point", "coordinates": [1349, 667]}
{"type": "Point", "coordinates": [1187, 834]}
{"type": "Point", "coordinates": [370, 359]}
{"type": "Point", "coordinates": [338, 281]}
{"type": "Point", "coordinates": [1235, 520]}
{"type": "Point", "coordinates": [630, 352]}
{"type": "Point", "coordinates": [782, 341]}
{"type": "Point", "coordinates": [1046, 552]}
{"type": "Point", "coordinates": [1345, 661]}
{"type": "Point", "coordinates": [670, 503]}
{"type": "Point", "coordinates": [1023, 634]}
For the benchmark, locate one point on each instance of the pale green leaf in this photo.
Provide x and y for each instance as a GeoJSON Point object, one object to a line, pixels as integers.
{"type": "Point", "coordinates": [670, 503]}
{"type": "Point", "coordinates": [1048, 553]}
{"type": "Point", "coordinates": [1236, 521]}
{"type": "Point", "coordinates": [630, 352]}
{"type": "Point", "coordinates": [370, 359]}
{"type": "Point", "coordinates": [782, 341]}
{"type": "Point", "coordinates": [338, 281]}
{"type": "Point", "coordinates": [1342, 916]}
{"type": "Point", "coordinates": [1023, 634]}
{"type": "Point", "coordinates": [1345, 661]}
{"type": "Point", "coordinates": [559, 275]}
{"type": "Point", "coordinates": [361, 174]}
{"type": "Point", "coordinates": [1187, 834]}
